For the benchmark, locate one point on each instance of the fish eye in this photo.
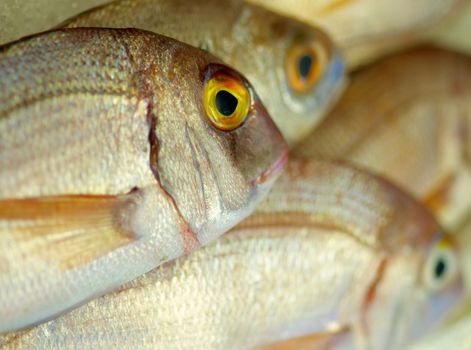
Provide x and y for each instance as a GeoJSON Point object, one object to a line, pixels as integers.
{"type": "Point", "coordinates": [441, 266]}
{"type": "Point", "coordinates": [226, 100]}
{"type": "Point", "coordinates": [304, 65]}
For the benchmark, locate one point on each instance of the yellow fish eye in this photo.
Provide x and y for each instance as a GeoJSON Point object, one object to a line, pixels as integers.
{"type": "Point", "coordinates": [441, 266]}
{"type": "Point", "coordinates": [226, 100]}
{"type": "Point", "coordinates": [304, 65]}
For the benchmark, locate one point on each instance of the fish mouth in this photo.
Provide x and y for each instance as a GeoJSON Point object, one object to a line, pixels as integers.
{"type": "Point", "coordinates": [274, 169]}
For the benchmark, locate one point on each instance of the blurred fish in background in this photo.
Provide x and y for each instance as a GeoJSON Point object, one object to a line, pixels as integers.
{"type": "Point", "coordinates": [408, 118]}
{"type": "Point", "coordinates": [368, 29]}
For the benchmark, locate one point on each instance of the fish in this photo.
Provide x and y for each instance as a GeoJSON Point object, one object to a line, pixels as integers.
{"type": "Point", "coordinates": [119, 150]}
{"type": "Point", "coordinates": [415, 132]}
{"type": "Point", "coordinates": [294, 67]}
{"type": "Point", "coordinates": [331, 250]}
{"type": "Point", "coordinates": [366, 30]}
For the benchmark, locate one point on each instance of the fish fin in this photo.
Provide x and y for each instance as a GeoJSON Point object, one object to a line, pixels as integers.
{"type": "Point", "coordinates": [66, 230]}
{"type": "Point", "coordinates": [316, 341]}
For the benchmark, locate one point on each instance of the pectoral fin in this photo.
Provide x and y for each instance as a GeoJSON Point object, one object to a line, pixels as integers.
{"type": "Point", "coordinates": [66, 230]}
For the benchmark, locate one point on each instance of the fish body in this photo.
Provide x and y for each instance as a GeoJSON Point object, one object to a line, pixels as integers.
{"type": "Point", "coordinates": [367, 29]}
{"type": "Point", "coordinates": [111, 162]}
{"type": "Point", "coordinates": [268, 48]}
{"type": "Point", "coordinates": [331, 249]}
{"type": "Point", "coordinates": [414, 132]}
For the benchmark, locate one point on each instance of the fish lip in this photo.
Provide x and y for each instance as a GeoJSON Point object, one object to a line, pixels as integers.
{"type": "Point", "coordinates": [274, 169]}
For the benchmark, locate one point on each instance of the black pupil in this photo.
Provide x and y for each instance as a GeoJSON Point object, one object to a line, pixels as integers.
{"type": "Point", "coordinates": [440, 268]}
{"type": "Point", "coordinates": [305, 65]}
{"type": "Point", "coordinates": [226, 103]}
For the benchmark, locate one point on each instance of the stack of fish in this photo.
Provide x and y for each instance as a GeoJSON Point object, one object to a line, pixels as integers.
{"type": "Point", "coordinates": [147, 200]}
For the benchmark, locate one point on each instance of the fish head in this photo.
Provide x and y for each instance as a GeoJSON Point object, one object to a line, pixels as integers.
{"type": "Point", "coordinates": [311, 80]}
{"type": "Point", "coordinates": [217, 151]}
{"type": "Point", "coordinates": [415, 288]}
{"type": "Point", "coordinates": [296, 69]}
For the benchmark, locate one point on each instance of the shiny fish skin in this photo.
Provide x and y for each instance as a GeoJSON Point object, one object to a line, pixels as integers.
{"type": "Point", "coordinates": [367, 29]}
{"type": "Point", "coordinates": [249, 38]}
{"type": "Point", "coordinates": [329, 247]}
{"type": "Point", "coordinates": [416, 132]}
{"type": "Point", "coordinates": [110, 166]}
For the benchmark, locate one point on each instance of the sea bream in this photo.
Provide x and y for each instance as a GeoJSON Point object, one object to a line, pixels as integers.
{"type": "Point", "coordinates": [332, 251]}
{"type": "Point", "coordinates": [295, 68]}
{"type": "Point", "coordinates": [119, 150]}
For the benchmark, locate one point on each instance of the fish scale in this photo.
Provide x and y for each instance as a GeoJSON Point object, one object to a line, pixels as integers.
{"type": "Point", "coordinates": [29, 69]}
